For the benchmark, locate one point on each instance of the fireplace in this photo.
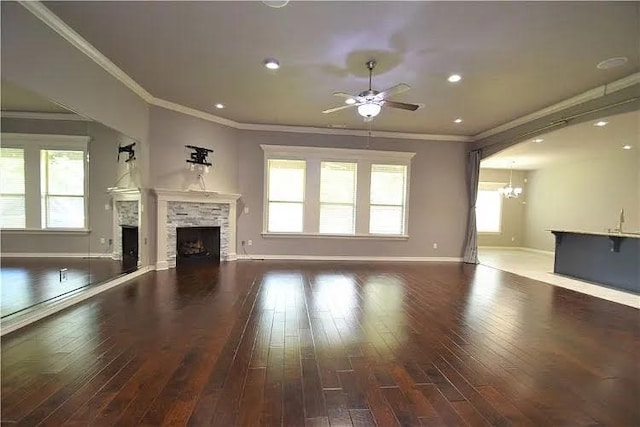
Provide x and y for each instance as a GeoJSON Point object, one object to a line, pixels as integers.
{"type": "Point", "coordinates": [177, 209]}
{"type": "Point", "coordinates": [197, 244]}
{"type": "Point", "coordinates": [129, 248]}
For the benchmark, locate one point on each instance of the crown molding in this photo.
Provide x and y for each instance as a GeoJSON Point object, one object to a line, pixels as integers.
{"type": "Point", "coordinates": [354, 132]}
{"type": "Point", "coordinates": [194, 113]}
{"type": "Point", "coordinates": [589, 95]}
{"type": "Point", "coordinates": [26, 115]}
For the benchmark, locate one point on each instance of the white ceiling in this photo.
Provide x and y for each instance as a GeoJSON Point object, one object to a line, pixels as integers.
{"type": "Point", "coordinates": [515, 57]}
{"type": "Point", "coordinates": [578, 142]}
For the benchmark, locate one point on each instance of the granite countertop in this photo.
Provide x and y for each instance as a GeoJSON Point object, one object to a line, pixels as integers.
{"type": "Point", "coordinates": [599, 233]}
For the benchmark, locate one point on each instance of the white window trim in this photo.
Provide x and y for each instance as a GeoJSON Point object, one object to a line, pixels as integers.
{"type": "Point", "coordinates": [493, 186]}
{"type": "Point", "coordinates": [313, 156]}
{"type": "Point", "coordinates": [32, 144]}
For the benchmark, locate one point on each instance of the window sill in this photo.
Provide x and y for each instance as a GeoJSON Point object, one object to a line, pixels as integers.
{"type": "Point", "coordinates": [269, 235]}
{"type": "Point", "coordinates": [68, 231]}
{"type": "Point", "coordinates": [490, 233]}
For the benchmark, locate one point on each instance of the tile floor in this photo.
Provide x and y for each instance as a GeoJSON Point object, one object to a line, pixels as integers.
{"type": "Point", "coordinates": [539, 266]}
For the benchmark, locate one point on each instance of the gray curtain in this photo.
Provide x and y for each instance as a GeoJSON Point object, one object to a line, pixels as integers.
{"type": "Point", "coordinates": [471, 243]}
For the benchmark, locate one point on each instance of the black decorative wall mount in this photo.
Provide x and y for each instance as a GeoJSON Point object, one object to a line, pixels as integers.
{"type": "Point", "coordinates": [199, 156]}
{"type": "Point", "coordinates": [127, 149]}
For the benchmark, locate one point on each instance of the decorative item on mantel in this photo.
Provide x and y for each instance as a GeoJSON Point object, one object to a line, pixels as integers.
{"type": "Point", "coordinates": [199, 159]}
{"type": "Point", "coordinates": [510, 192]}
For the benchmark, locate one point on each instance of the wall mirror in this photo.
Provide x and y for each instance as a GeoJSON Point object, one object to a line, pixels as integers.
{"type": "Point", "coordinates": [69, 203]}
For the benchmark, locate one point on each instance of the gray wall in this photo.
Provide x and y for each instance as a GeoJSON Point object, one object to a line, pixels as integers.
{"type": "Point", "coordinates": [512, 234]}
{"type": "Point", "coordinates": [38, 59]}
{"type": "Point", "coordinates": [437, 206]}
{"type": "Point", "coordinates": [170, 132]}
{"type": "Point", "coordinates": [102, 174]}
{"type": "Point", "coordinates": [583, 195]}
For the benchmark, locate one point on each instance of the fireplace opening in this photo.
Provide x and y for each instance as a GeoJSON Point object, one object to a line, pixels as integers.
{"type": "Point", "coordinates": [197, 244]}
{"type": "Point", "coordinates": [129, 248]}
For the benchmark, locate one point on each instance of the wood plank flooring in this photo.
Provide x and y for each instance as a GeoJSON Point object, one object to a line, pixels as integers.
{"type": "Point", "coordinates": [328, 344]}
{"type": "Point", "coordinates": [25, 282]}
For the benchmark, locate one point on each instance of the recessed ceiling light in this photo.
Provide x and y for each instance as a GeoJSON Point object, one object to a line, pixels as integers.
{"type": "Point", "coordinates": [350, 101]}
{"type": "Point", "coordinates": [219, 106]}
{"type": "Point", "coordinates": [271, 63]}
{"type": "Point", "coordinates": [276, 3]}
{"type": "Point", "coordinates": [458, 120]}
{"type": "Point", "coordinates": [626, 147]}
{"type": "Point", "coordinates": [454, 78]}
{"type": "Point", "coordinates": [612, 63]}
{"type": "Point", "coordinates": [538, 140]}
{"type": "Point", "coordinates": [601, 123]}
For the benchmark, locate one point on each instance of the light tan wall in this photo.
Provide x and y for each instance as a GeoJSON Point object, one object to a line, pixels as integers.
{"type": "Point", "coordinates": [583, 195]}
{"type": "Point", "coordinates": [512, 229]}
{"type": "Point", "coordinates": [437, 207]}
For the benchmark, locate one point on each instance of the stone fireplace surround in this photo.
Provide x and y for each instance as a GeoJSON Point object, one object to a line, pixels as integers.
{"type": "Point", "coordinates": [178, 208]}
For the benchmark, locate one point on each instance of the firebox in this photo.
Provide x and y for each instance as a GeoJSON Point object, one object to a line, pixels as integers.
{"type": "Point", "coordinates": [129, 248]}
{"type": "Point", "coordinates": [197, 244]}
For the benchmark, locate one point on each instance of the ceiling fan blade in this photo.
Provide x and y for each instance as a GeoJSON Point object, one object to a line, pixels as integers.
{"type": "Point", "coordinates": [342, 107]}
{"type": "Point", "coordinates": [401, 105]}
{"type": "Point", "coordinates": [394, 90]}
{"type": "Point", "coordinates": [344, 95]}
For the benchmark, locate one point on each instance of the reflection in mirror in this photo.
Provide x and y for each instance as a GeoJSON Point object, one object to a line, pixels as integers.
{"type": "Point", "coordinates": [69, 202]}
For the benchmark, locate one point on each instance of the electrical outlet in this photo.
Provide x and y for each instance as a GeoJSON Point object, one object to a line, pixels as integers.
{"type": "Point", "coordinates": [435, 246]}
{"type": "Point", "coordinates": [250, 242]}
{"type": "Point", "coordinates": [513, 239]}
{"type": "Point", "coordinates": [246, 210]}
{"type": "Point", "coordinates": [107, 206]}
{"type": "Point", "coordinates": [103, 240]}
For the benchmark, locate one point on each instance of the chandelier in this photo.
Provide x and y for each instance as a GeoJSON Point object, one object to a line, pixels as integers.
{"type": "Point", "coordinates": [509, 191]}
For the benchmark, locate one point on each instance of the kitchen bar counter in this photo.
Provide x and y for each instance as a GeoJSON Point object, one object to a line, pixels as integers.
{"type": "Point", "coordinates": [608, 258]}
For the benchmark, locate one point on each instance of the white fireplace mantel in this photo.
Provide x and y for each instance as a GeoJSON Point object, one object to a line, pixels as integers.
{"type": "Point", "coordinates": [193, 196]}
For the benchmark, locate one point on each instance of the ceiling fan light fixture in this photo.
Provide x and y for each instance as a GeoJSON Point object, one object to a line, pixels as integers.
{"type": "Point", "coordinates": [350, 101]}
{"type": "Point", "coordinates": [369, 109]}
{"type": "Point", "coordinates": [454, 78]}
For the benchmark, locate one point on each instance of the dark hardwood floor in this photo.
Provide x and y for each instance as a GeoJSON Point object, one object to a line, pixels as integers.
{"type": "Point", "coordinates": [25, 282]}
{"type": "Point", "coordinates": [342, 344]}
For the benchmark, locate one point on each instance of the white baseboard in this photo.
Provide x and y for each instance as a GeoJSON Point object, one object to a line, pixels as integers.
{"type": "Point", "coordinates": [47, 309]}
{"type": "Point", "coordinates": [504, 248]}
{"type": "Point", "coordinates": [538, 251]}
{"type": "Point", "coordinates": [54, 255]}
{"type": "Point", "coordinates": [162, 265]}
{"type": "Point", "coordinates": [518, 248]}
{"type": "Point", "coordinates": [347, 258]}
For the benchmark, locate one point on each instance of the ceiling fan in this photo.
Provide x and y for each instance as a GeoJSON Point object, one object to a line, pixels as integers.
{"type": "Point", "coordinates": [370, 102]}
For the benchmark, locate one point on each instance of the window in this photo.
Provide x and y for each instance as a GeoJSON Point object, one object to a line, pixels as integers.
{"type": "Point", "coordinates": [337, 197]}
{"type": "Point", "coordinates": [12, 190]}
{"type": "Point", "coordinates": [43, 182]}
{"type": "Point", "coordinates": [387, 202]}
{"type": "Point", "coordinates": [62, 188]}
{"type": "Point", "coordinates": [488, 209]}
{"type": "Point", "coordinates": [335, 192]}
{"type": "Point", "coordinates": [286, 184]}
